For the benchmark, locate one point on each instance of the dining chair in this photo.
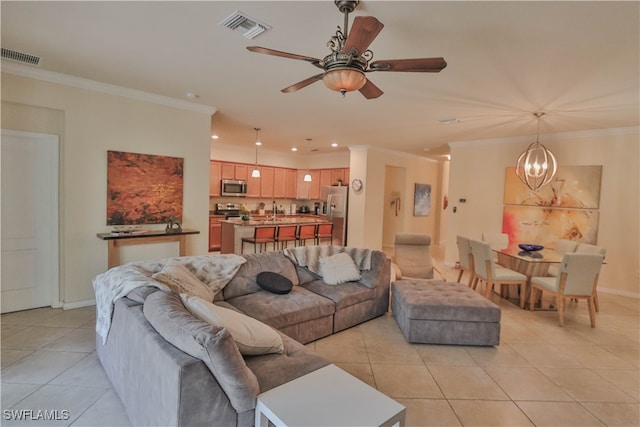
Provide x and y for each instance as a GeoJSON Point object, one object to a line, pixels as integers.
{"type": "Point", "coordinates": [466, 260]}
{"type": "Point", "coordinates": [306, 232]}
{"type": "Point", "coordinates": [578, 279]}
{"type": "Point", "coordinates": [493, 274]}
{"type": "Point", "coordinates": [286, 234]}
{"type": "Point", "coordinates": [412, 256]}
{"type": "Point", "coordinates": [497, 241]}
{"type": "Point", "coordinates": [324, 231]}
{"type": "Point", "coordinates": [261, 236]}
{"type": "Point", "coordinates": [586, 248]}
{"type": "Point", "coordinates": [562, 247]}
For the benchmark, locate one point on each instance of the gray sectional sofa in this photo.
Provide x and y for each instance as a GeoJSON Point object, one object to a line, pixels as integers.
{"type": "Point", "coordinates": [171, 368]}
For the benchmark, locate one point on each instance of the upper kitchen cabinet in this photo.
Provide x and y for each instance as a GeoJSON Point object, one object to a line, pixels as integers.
{"type": "Point", "coordinates": [253, 186]}
{"type": "Point", "coordinates": [266, 181]}
{"type": "Point", "coordinates": [290, 183]}
{"type": "Point", "coordinates": [338, 176]}
{"type": "Point", "coordinates": [234, 171]}
{"type": "Point", "coordinates": [314, 187]}
{"type": "Point", "coordinates": [325, 177]}
{"type": "Point", "coordinates": [279, 182]}
{"type": "Point", "coordinates": [215, 175]}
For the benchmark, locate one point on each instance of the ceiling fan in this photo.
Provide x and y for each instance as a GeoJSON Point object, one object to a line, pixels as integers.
{"type": "Point", "coordinates": [345, 67]}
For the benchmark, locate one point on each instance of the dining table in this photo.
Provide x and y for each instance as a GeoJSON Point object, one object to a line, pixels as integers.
{"type": "Point", "coordinates": [529, 263]}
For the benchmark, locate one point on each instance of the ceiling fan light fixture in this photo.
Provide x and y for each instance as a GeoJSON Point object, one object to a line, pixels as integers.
{"type": "Point", "coordinates": [344, 79]}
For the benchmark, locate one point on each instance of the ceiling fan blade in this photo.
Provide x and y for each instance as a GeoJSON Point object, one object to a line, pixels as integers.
{"type": "Point", "coordinates": [267, 51]}
{"type": "Point", "coordinates": [370, 91]}
{"type": "Point", "coordinates": [303, 83]}
{"type": "Point", "coordinates": [418, 65]}
{"type": "Point", "coordinates": [363, 31]}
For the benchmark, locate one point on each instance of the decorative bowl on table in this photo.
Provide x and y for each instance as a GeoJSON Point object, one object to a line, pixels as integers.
{"type": "Point", "coordinates": [529, 247]}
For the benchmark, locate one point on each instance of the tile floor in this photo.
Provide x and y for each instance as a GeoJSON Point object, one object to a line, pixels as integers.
{"type": "Point", "coordinates": [540, 374]}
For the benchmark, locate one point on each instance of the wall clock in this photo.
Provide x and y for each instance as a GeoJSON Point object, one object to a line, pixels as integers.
{"type": "Point", "coordinates": [356, 184]}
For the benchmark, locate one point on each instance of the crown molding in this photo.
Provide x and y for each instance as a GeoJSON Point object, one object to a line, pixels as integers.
{"type": "Point", "coordinates": [109, 89]}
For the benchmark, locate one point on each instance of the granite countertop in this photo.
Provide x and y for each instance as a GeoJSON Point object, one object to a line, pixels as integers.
{"type": "Point", "coordinates": [279, 221]}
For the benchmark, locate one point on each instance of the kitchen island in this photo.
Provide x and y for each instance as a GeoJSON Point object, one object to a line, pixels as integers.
{"type": "Point", "coordinates": [233, 230]}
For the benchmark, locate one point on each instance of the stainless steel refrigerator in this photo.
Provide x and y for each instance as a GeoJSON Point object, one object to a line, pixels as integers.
{"type": "Point", "coordinates": [335, 199]}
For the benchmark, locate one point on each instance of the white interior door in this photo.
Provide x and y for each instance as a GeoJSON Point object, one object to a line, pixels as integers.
{"type": "Point", "coordinates": [29, 210]}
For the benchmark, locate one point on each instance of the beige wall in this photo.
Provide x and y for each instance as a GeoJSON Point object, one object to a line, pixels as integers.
{"type": "Point", "coordinates": [367, 208]}
{"type": "Point", "coordinates": [477, 174]}
{"type": "Point", "coordinates": [89, 123]}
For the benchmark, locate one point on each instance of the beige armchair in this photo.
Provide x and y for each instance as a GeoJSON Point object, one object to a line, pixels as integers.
{"type": "Point", "coordinates": [412, 256]}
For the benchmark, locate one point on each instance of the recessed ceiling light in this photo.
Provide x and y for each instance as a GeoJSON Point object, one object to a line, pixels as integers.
{"type": "Point", "coordinates": [214, 136]}
{"type": "Point", "coordinates": [294, 149]}
{"type": "Point", "coordinates": [192, 95]}
{"type": "Point", "coordinates": [334, 144]}
{"type": "Point", "coordinates": [258, 143]}
{"type": "Point", "coordinates": [449, 121]}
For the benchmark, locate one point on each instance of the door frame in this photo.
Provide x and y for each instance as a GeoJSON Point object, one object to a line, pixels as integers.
{"type": "Point", "coordinates": [51, 143]}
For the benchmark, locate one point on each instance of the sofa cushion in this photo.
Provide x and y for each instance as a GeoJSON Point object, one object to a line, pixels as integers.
{"type": "Point", "coordinates": [339, 268]}
{"type": "Point", "coordinates": [244, 282]}
{"type": "Point", "coordinates": [177, 278]}
{"type": "Point", "coordinates": [274, 282]}
{"type": "Point", "coordinates": [343, 295]}
{"type": "Point", "coordinates": [213, 345]}
{"type": "Point", "coordinates": [279, 311]}
{"type": "Point", "coordinates": [250, 335]}
{"type": "Point", "coordinates": [273, 369]}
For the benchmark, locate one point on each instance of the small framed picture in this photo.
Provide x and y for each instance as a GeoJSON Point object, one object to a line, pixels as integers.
{"type": "Point", "coordinates": [422, 200]}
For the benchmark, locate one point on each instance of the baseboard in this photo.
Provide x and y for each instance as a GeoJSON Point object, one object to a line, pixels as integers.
{"type": "Point", "coordinates": [618, 292]}
{"type": "Point", "coordinates": [78, 304]}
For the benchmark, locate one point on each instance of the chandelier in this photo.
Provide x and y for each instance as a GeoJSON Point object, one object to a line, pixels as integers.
{"type": "Point", "coordinates": [536, 166]}
{"type": "Point", "coordinates": [307, 176]}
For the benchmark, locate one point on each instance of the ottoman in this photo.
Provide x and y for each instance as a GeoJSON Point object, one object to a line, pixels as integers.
{"type": "Point", "coordinates": [438, 312]}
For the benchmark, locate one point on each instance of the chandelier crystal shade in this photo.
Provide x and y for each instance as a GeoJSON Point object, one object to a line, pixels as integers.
{"type": "Point", "coordinates": [255, 173]}
{"type": "Point", "coordinates": [537, 165]}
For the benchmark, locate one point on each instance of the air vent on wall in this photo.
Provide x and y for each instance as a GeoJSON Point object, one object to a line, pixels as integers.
{"type": "Point", "coordinates": [249, 27]}
{"type": "Point", "coordinates": [24, 58]}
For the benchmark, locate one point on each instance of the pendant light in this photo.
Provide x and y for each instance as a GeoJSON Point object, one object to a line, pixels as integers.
{"type": "Point", "coordinates": [307, 177]}
{"type": "Point", "coordinates": [536, 166]}
{"type": "Point", "coordinates": [255, 173]}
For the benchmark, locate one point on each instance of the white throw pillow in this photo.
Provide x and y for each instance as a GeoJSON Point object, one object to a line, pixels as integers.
{"type": "Point", "coordinates": [250, 335]}
{"type": "Point", "coordinates": [339, 268]}
{"type": "Point", "coordinates": [177, 278]}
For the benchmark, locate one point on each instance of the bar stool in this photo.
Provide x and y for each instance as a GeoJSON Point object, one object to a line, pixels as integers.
{"type": "Point", "coordinates": [261, 236]}
{"type": "Point", "coordinates": [285, 234]}
{"type": "Point", "coordinates": [306, 232]}
{"type": "Point", "coordinates": [324, 231]}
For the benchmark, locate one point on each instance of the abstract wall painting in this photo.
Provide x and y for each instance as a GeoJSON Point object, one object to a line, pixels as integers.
{"type": "Point", "coordinates": [143, 188]}
{"type": "Point", "coordinates": [543, 226]}
{"type": "Point", "coordinates": [422, 200]}
{"type": "Point", "coordinates": [572, 187]}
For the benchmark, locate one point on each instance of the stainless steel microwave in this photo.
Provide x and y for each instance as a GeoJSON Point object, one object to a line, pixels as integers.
{"type": "Point", "coordinates": [232, 187]}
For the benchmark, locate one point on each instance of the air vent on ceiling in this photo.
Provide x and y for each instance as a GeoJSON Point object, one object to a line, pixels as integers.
{"type": "Point", "coordinates": [249, 27]}
{"type": "Point", "coordinates": [24, 58]}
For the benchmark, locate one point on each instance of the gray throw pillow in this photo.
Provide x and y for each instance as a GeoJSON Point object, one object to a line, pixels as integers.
{"type": "Point", "coordinates": [274, 282]}
{"type": "Point", "coordinates": [214, 346]}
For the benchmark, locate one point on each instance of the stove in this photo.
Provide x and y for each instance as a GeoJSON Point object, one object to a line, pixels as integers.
{"type": "Point", "coordinates": [229, 210]}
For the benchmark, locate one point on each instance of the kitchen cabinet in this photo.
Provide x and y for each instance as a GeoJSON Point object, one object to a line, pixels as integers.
{"type": "Point", "coordinates": [253, 186]}
{"type": "Point", "coordinates": [241, 172]}
{"type": "Point", "coordinates": [338, 174]}
{"type": "Point", "coordinates": [290, 183]}
{"type": "Point", "coordinates": [228, 171]}
{"type": "Point", "coordinates": [279, 182]}
{"type": "Point", "coordinates": [302, 188]}
{"type": "Point", "coordinates": [266, 181]}
{"type": "Point", "coordinates": [314, 187]}
{"type": "Point", "coordinates": [215, 229]}
{"type": "Point", "coordinates": [325, 177]}
{"type": "Point", "coordinates": [215, 175]}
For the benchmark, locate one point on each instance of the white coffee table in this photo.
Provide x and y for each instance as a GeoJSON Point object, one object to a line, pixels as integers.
{"type": "Point", "coordinates": [327, 397]}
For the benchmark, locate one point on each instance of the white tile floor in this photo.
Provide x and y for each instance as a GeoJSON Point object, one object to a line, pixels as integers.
{"type": "Point", "coordinates": [540, 374]}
